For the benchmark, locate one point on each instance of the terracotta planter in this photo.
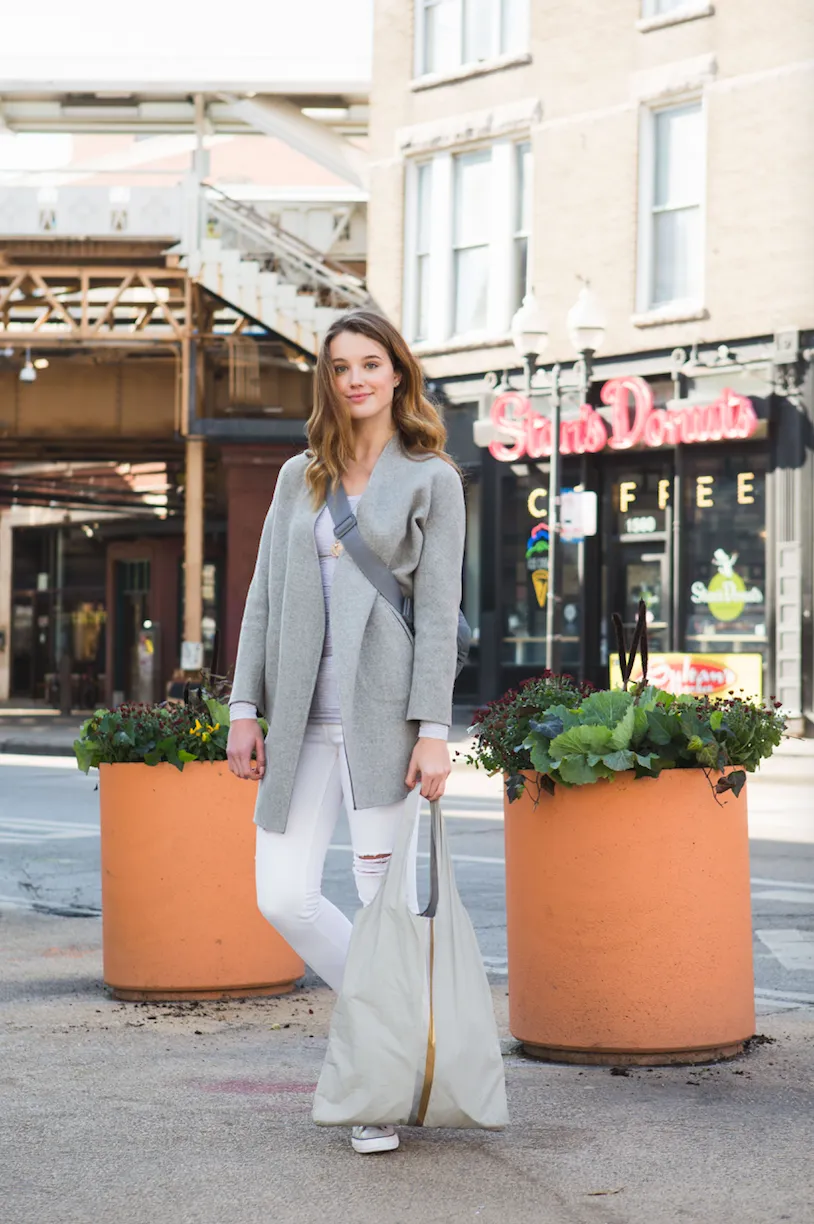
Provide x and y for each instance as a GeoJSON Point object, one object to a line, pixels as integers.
{"type": "Point", "coordinates": [179, 911]}
{"type": "Point", "coordinates": [629, 922]}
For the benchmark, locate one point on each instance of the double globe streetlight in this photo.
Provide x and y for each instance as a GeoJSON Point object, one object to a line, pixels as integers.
{"type": "Point", "coordinates": [529, 331]}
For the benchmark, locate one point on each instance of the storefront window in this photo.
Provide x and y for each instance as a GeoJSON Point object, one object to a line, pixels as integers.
{"type": "Point", "coordinates": [524, 566]}
{"type": "Point", "coordinates": [524, 569]}
{"type": "Point", "coordinates": [725, 543]}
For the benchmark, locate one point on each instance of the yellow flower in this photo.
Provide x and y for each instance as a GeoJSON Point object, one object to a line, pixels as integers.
{"type": "Point", "coordinates": [205, 736]}
{"type": "Point", "coordinates": [197, 726]}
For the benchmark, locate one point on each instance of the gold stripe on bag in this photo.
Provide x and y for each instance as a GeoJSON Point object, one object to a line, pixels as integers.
{"type": "Point", "coordinates": [429, 1068]}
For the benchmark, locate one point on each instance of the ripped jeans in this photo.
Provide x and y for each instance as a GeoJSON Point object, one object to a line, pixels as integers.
{"type": "Point", "coordinates": [289, 865]}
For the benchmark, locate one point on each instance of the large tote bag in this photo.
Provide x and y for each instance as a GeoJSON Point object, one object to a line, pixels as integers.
{"type": "Point", "coordinates": [413, 1038]}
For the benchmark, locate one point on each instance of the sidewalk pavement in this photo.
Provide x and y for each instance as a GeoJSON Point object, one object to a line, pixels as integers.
{"type": "Point", "coordinates": [200, 1114]}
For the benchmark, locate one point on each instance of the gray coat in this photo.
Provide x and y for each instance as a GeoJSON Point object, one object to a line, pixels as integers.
{"type": "Point", "coordinates": [412, 515]}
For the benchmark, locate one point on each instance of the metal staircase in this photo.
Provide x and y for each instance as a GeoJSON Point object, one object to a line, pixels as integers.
{"type": "Point", "coordinates": [269, 274]}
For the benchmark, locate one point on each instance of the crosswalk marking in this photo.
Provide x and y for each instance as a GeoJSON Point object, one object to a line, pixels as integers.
{"type": "Point", "coordinates": [760, 880]}
{"type": "Point", "coordinates": [793, 948]}
{"type": "Point", "coordinates": [34, 822]}
{"type": "Point", "coordinates": [25, 831]}
{"type": "Point", "coordinates": [796, 896]}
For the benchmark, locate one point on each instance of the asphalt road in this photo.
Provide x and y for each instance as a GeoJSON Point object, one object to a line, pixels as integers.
{"type": "Point", "coordinates": [49, 860]}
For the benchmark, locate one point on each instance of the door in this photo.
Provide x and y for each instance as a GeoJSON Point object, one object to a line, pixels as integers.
{"type": "Point", "coordinates": [132, 590]}
{"type": "Point", "coordinates": [638, 555]}
{"type": "Point", "coordinates": [643, 573]}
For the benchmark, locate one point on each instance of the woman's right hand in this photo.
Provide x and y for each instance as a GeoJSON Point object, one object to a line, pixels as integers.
{"type": "Point", "coordinates": [246, 739]}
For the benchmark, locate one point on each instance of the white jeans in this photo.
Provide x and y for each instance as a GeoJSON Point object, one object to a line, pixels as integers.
{"type": "Point", "coordinates": [289, 865]}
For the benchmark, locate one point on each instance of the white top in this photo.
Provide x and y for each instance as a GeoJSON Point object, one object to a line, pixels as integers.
{"type": "Point", "coordinates": [325, 702]}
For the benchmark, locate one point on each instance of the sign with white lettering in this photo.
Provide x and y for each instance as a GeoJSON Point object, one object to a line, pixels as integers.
{"type": "Point", "coordinates": [634, 421]}
{"type": "Point", "coordinates": [701, 674]}
{"type": "Point", "coordinates": [726, 595]}
{"type": "Point", "coordinates": [640, 524]}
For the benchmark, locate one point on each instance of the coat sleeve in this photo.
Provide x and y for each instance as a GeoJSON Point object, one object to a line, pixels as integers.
{"type": "Point", "coordinates": [249, 683]}
{"type": "Point", "coordinates": [437, 600]}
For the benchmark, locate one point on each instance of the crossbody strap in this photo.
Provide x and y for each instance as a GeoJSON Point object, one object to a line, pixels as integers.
{"type": "Point", "coordinates": [374, 569]}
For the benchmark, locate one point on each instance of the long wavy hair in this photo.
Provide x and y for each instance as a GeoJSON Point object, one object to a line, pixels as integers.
{"type": "Point", "coordinates": [330, 429]}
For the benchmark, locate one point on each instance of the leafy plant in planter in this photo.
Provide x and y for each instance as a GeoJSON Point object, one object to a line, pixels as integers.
{"type": "Point", "coordinates": [565, 733]}
{"type": "Point", "coordinates": [173, 732]}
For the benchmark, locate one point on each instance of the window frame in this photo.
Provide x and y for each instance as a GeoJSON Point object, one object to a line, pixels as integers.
{"type": "Point", "coordinates": [645, 279]}
{"type": "Point", "coordinates": [519, 233]}
{"type": "Point", "coordinates": [498, 27]}
{"type": "Point", "coordinates": [482, 155]}
{"type": "Point", "coordinates": [502, 230]}
{"type": "Point", "coordinates": [419, 254]}
{"type": "Point", "coordinates": [650, 8]}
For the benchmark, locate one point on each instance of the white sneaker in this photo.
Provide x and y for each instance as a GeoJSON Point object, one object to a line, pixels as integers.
{"type": "Point", "coordinates": [374, 1139]}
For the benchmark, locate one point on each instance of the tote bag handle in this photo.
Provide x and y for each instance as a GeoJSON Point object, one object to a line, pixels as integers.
{"type": "Point", "coordinates": [393, 888]}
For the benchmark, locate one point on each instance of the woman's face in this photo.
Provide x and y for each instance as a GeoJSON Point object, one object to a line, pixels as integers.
{"type": "Point", "coordinates": [364, 375]}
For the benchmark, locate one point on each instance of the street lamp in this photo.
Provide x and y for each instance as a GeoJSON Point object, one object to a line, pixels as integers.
{"type": "Point", "coordinates": [529, 334]}
{"type": "Point", "coordinates": [586, 331]}
{"type": "Point", "coordinates": [529, 331]}
{"type": "Point", "coordinates": [530, 337]}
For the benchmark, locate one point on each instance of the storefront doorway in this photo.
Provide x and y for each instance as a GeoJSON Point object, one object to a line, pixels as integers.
{"type": "Point", "coordinates": [639, 563]}
{"type": "Point", "coordinates": [644, 574]}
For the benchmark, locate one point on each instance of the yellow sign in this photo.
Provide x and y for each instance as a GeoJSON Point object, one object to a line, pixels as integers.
{"type": "Point", "coordinates": [540, 579]}
{"type": "Point", "coordinates": [699, 674]}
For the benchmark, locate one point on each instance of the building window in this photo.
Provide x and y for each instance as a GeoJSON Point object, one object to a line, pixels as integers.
{"type": "Point", "coordinates": [522, 231]}
{"type": "Point", "coordinates": [467, 242]}
{"type": "Point", "coordinates": [678, 179]}
{"type": "Point", "coordinates": [422, 251]}
{"type": "Point", "coordinates": [477, 30]}
{"type": "Point", "coordinates": [457, 32]}
{"type": "Point", "coordinates": [470, 239]}
{"type": "Point", "coordinates": [658, 8]}
{"type": "Point", "coordinates": [441, 41]}
{"type": "Point", "coordinates": [672, 215]}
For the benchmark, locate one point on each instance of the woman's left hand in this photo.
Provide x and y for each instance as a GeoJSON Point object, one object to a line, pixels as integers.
{"type": "Point", "coordinates": [431, 761]}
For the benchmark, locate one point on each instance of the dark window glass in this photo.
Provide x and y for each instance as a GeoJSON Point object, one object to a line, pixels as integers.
{"type": "Point", "coordinates": [524, 575]}
{"type": "Point", "coordinates": [725, 543]}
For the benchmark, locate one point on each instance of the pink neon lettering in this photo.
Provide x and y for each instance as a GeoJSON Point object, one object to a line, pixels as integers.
{"type": "Point", "coordinates": [729, 416]}
{"type": "Point", "coordinates": [615, 392]}
{"type": "Point", "coordinates": [509, 412]}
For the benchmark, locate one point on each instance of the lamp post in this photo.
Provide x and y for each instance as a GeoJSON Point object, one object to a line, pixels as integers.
{"type": "Point", "coordinates": [530, 337]}
{"type": "Point", "coordinates": [586, 331]}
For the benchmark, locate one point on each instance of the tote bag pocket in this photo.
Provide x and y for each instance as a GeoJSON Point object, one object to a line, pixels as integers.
{"type": "Point", "coordinates": [413, 1039]}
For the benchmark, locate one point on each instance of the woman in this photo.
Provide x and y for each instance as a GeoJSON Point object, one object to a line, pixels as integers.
{"type": "Point", "coordinates": [359, 707]}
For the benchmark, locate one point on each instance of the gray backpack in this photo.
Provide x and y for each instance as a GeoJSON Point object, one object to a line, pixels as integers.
{"type": "Point", "coordinates": [346, 529]}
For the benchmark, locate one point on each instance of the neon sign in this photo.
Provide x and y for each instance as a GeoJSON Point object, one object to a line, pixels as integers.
{"type": "Point", "coordinates": [634, 421]}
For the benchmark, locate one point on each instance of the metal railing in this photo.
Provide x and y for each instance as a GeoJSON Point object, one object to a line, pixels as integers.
{"type": "Point", "coordinates": [296, 261]}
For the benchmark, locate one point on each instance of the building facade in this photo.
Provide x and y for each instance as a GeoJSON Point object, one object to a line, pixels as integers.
{"type": "Point", "coordinates": [657, 150]}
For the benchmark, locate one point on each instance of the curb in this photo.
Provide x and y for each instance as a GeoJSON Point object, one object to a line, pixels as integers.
{"type": "Point", "coordinates": [26, 748]}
